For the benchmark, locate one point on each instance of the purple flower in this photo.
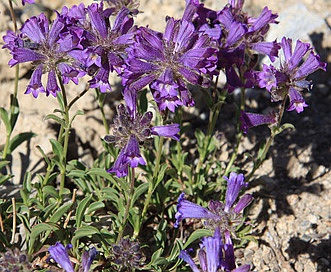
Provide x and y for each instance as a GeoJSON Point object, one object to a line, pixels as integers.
{"type": "Point", "coordinates": [238, 37]}
{"type": "Point", "coordinates": [214, 255]}
{"type": "Point", "coordinates": [249, 120]}
{"type": "Point", "coordinates": [60, 254]}
{"type": "Point", "coordinates": [167, 62]}
{"type": "Point", "coordinates": [38, 43]}
{"type": "Point", "coordinates": [87, 259]}
{"type": "Point", "coordinates": [131, 129]}
{"type": "Point", "coordinates": [226, 216]}
{"type": "Point", "coordinates": [290, 78]}
{"type": "Point", "coordinates": [100, 46]}
{"type": "Point", "coordinates": [27, 1]}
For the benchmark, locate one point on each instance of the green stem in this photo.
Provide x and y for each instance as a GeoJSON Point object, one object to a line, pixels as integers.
{"type": "Point", "coordinates": [128, 205]}
{"type": "Point", "coordinates": [239, 134]}
{"type": "Point", "coordinates": [218, 101]}
{"type": "Point", "coordinates": [268, 143]}
{"type": "Point", "coordinates": [101, 101]}
{"type": "Point", "coordinates": [13, 108]}
{"type": "Point", "coordinates": [73, 101]}
{"type": "Point", "coordinates": [65, 129]}
{"type": "Point", "coordinates": [151, 185]}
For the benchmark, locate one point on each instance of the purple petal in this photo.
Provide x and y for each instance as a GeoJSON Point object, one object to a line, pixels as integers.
{"type": "Point", "coordinates": [187, 209]}
{"type": "Point", "coordinates": [296, 101]}
{"type": "Point", "coordinates": [267, 48]}
{"type": "Point", "coordinates": [235, 184]}
{"type": "Point", "coordinates": [21, 55]}
{"type": "Point", "coordinates": [132, 153]}
{"type": "Point", "coordinates": [27, 1]}
{"type": "Point", "coordinates": [243, 268]}
{"type": "Point", "coordinates": [229, 259]}
{"type": "Point", "coordinates": [249, 120]}
{"type": "Point", "coordinates": [300, 50]}
{"type": "Point", "coordinates": [266, 17]}
{"type": "Point", "coordinates": [170, 131]}
{"type": "Point", "coordinates": [188, 259]}
{"type": "Point", "coordinates": [35, 86]}
{"type": "Point", "coordinates": [87, 258]}
{"type": "Point", "coordinates": [286, 45]}
{"type": "Point", "coordinates": [60, 255]}
{"type": "Point", "coordinates": [120, 167]}
{"type": "Point", "coordinates": [36, 28]}
{"type": "Point", "coordinates": [213, 248]}
{"type": "Point", "coordinates": [52, 86]}
{"type": "Point", "coordinates": [243, 203]}
{"type": "Point", "coordinates": [97, 20]}
{"type": "Point", "coordinates": [312, 64]}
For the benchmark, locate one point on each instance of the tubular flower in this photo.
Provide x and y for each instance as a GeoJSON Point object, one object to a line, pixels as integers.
{"type": "Point", "coordinates": [130, 129]}
{"type": "Point", "coordinates": [215, 256]}
{"type": "Point", "coordinates": [289, 79]}
{"type": "Point", "coordinates": [60, 255]}
{"type": "Point", "coordinates": [167, 62]}
{"type": "Point", "coordinates": [249, 120]}
{"type": "Point", "coordinates": [27, 1]}
{"type": "Point", "coordinates": [38, 42]}
{"type": "Point", "coordinates": [225, 216]}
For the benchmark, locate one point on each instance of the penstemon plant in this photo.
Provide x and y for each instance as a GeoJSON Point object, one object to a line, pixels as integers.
{"type": "Point", "coordinates": [128, 211]}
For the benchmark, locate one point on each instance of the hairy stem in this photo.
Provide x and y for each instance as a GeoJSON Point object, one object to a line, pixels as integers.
{"type": "Point", "coordinates": [269, 142]}
{"type": "Point", "coordinates": [65, 129]}
{"type": "Point", "coordinates": [128, 204]}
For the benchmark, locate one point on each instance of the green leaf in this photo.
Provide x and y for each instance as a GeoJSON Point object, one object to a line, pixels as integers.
{"type": "Point", "coordinates": [56, 118]}
{"type": "Point", "coordinates": [94, 207]}
{"type": "Point", "coordinates": [39, 229]}
{"type": "Point", "coordinates": [27, 182]}
{"type": "Point", "coordinates": [60, 212]}
{"type": "Point", "coordinates": [78, 112]}
{"type": "Point", "coordinates": [3, 163]}
{"type": "Point", "coordinates": [283, 127]}
{"type": "Point", "coordinates": [109, 194]}
{"type": "Point", "coordinates": [142, 188]}
{"type": "Point", "coordinates": [101, 173]}
{"type": "Point", "coordinates": [50, 191]}
{"type": "Point", "coordinates": [207, 97]}
{"type": "Point", "coordinates": [23, 218]}
{"type": "Point", "coordinates": [197, 234]}
{"type": "Point", "coordinates": [84, 231]}
{"type": "Point", "coordinates": [4, 178]}
{"type": "Point", "coordinates": [3, 240]}
{"type": "Point", "coordinates": [160, 174]}
{"type": "Point", "coordinates": [20, 138]}
{"type": "Point", "coordinates": [14, 109]}
{"type": "Point", "coordinates": [43, 154]}
{"type": "Point", "coordinates": [48, 210]}
{"type": "Point", "coordinates": [57, 148]}
{"type": "Point", "coordinates": [81, 209]}
{"type": "Point", "coordinates": [5, 118]}
{"type": "Point", "coordinates": [157, 259]}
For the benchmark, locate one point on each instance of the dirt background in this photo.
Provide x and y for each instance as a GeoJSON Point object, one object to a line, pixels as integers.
{"type": "Point", "coordinates": [292, 190]}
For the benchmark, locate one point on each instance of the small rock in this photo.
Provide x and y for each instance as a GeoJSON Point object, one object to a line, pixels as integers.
{"type": "Point", "coordinates": [313, 219]}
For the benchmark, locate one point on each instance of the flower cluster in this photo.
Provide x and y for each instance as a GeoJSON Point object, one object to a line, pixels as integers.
{"type": "Point", "coordinates": [127, 254]}
{"type": "Point", "coordinates": [223, 218]}
{"type": "Point", "coordinates": [290, 78]}
{"type": "Point", "coordinates": [14, 261]}
{"type": "Point", "coordinates": [214, 255]}
{"type": "Point", "coordinates": [130, 129]}
{"type": "Point", "coordinates": [59, 254]}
